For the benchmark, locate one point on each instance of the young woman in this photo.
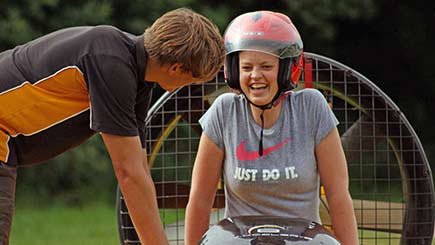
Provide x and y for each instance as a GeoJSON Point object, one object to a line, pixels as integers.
{"type": "Point", "coordinates": [274, 146]}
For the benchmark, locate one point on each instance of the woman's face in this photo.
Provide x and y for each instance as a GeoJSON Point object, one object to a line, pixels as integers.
{"type": "Point", "coordinates": [258, 76]}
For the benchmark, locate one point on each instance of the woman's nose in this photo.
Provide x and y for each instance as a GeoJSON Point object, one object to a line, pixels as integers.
{"type": "Point", "coordinates": [256, 74]}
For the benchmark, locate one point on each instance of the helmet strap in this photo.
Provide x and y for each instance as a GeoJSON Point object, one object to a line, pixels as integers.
{"type": "Point", "coordinates": [267, 106]}
{"type": "Point", "coordinates": [260, 144]}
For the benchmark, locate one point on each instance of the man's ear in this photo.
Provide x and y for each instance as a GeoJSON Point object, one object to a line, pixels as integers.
{"type": "Point", "coordinates": [175, 69]}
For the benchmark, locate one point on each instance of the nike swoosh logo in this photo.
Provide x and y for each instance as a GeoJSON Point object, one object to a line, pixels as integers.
{"type": "Point", "coordinates": [244, 155]}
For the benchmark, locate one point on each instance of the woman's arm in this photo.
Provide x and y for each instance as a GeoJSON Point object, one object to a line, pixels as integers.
{"type": "Point", "coordinates": [205, 176]}
{"type": "Point", "coordinates": [332, 166]}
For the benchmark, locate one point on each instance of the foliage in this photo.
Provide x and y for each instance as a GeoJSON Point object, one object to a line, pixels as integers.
{"type": "Point", "coordinates": [391, 46]}
{"type": "Point", "coordinates": [23, 20]}
{"type": "Point", "coordinates": [76, 177]}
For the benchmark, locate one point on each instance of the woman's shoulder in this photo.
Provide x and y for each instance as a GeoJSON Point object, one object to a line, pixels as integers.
{"type": "Point", "coordinates": [308, 97]}
{"type": "Point", "coordinates": [222, 107]}
{"type": "Point", "coordinates": [228, 98]}
{"type": "Point", "coordinates": [308, 92]}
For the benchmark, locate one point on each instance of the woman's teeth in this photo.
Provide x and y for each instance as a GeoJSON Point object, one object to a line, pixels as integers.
{"type": "Point", "coordinates": [258, 86]}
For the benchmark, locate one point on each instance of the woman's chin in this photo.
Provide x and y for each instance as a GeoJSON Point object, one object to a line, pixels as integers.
{"type": "Point", "coordinates": [260, 101]}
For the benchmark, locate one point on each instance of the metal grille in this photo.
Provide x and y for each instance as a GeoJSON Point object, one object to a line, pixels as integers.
{"type": "Point", "coordinates": [390, 179]}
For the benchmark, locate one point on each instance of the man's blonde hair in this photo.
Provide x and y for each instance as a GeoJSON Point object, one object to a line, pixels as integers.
{"type": "Point", "coordinates": [186, 37]}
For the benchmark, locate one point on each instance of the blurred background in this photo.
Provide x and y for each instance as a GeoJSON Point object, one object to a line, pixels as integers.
{"type": "Point", "coordinates": [392, 43]}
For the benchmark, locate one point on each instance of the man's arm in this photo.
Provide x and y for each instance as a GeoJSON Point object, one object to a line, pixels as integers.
{"type": "Point", "coordinates": [137, 187]}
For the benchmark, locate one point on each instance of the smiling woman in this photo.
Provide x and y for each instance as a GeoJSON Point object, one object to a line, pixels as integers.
{"type": "Point", "coordinates": [272, 145]}
{"type": "Point", "coordinates": [390, 181]}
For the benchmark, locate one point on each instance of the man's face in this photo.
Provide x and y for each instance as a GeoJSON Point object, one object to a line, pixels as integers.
{"type": "Point", "coordinates": [179, 79]}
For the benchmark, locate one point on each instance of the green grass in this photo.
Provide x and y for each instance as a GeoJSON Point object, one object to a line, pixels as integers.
{"type": "Point", "coordinates": [379, 238]}
{"type": "Point", "coordinates": [368, 237]}
{"type": "Point", "coordinates": [170, 216]}
{"type": "Point", "coordinates": [94, 224]}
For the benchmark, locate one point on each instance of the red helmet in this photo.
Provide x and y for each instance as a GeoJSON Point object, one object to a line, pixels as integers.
{"type": "Point", "coordinates": [269, 32]}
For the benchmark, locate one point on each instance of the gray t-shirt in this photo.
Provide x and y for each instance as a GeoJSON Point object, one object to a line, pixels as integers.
{"type": "Point", "coordinates": [285, 180]}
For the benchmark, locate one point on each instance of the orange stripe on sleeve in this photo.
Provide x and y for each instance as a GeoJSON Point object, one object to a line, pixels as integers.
{"type": "Point", "coordinates": [4, 150]}
{"type": "Point", "coordinates": [31, 108]}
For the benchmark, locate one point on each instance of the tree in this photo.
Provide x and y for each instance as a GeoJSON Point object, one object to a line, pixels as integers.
{"type": "Point", "coordinates": [388, 41]}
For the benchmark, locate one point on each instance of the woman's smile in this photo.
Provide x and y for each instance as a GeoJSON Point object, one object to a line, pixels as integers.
{"type": "Point", "coordinates": [258, 76]}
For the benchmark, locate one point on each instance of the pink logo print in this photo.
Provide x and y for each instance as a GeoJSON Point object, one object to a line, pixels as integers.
{"type": "Point", "coordinates": [244, 155]}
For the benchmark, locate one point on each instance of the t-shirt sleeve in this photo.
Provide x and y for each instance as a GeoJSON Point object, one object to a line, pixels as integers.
{"type": "Point", "coordinates": [213, 119]}
{"type": "Point", "coordinates": [324, 119]}
{"type": "Point", "coordinates": [112, 87]}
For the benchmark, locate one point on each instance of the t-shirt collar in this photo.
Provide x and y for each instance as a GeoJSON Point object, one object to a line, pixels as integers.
{"type": "Point", "coordinates": [141, 57]}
